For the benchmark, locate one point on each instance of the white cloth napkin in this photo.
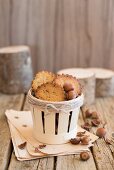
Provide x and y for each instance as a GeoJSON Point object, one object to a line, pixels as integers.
{"type": "Point", "coordinates": [21, 127]}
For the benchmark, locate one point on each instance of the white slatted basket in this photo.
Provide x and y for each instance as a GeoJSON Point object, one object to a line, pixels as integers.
{"type": "Point", "coordinates": [54, 122]}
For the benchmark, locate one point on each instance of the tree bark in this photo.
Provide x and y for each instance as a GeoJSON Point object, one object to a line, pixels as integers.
{"type": "Point", "coordinates": [104, 82]}
{"type": "Point", "coordinates": [15, 69]}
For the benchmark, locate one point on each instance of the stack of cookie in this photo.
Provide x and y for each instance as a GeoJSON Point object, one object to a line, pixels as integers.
{"type": "Point", "coordinates": [53, 87]}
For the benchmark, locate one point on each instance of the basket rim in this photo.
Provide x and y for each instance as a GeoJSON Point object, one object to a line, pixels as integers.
{"type": "Point", "coordinates": [81, 97]}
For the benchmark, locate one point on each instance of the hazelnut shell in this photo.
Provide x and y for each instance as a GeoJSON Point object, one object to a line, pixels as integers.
{"type": "Point", "coordinates": [75, 141]}
{"type": "Point", "coordinates": [86, 126]}
{"type": "Point", "coordinates": [80, 134]}
{"type": "Point", "coordinates": [95, 122]}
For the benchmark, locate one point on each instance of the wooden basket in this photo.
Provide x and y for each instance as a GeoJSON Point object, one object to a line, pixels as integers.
{"type": "Point", "coordinates": [54, 122]}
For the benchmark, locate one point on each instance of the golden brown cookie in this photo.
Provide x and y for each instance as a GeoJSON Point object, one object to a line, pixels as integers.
{"type": "Point", "coordinates": [63, 79]}
{"type": "Point", "coordinates": [42, 78]}
{"type": "Point", "coordinates": [50, 92]}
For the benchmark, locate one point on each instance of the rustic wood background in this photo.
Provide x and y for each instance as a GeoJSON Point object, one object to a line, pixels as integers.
{"type": "Point", "coordinates": [61, 33]}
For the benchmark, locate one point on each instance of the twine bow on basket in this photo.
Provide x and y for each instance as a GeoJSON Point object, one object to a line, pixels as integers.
{"type": "Point", "coordinates": [51, 108]}
{"type": "Point", "coordinates": [57, 107]}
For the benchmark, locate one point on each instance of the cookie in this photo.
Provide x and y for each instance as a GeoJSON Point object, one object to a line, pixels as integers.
{"type": "Point", "coordinates": [50, 92]}
{"type": "Point", "coordinates": [42, 78]}
{"type": "Point", "coordinates": [61, 80]}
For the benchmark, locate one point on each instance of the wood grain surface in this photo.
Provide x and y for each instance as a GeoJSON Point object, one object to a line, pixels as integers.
{"type": "Point", "coordinates": [40, 164]}
{"type": "Point", "coordinates": [61, 33]}
{"type": "Point", "coordinates": [70, 162]}
{"type": "Point", "coordinates": [102, 154]}
{"type": "Point", "coordinates": [7, 102]}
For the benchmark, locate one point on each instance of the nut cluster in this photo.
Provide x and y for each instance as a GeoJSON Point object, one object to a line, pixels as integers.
{"type": "Point", "coordinates": [70, 92]}
{"type": "Point", "coordinates": [81, 138]}
{"type": "Point", "coordinates": [95, 121]}
{"type": "Point", "coordinates": [92, 120]}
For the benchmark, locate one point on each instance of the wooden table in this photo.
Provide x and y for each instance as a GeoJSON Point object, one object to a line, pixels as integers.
{"type": "Point", "coordinates": [102, 155]}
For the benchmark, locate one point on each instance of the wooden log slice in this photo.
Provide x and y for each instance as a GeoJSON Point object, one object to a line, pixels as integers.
{"type": "Point", "coordinates": [87, 81]}
{"type": "Point", "coordinates": [15, 69]}
{"type": "Point", "coordinates": [104, 82]}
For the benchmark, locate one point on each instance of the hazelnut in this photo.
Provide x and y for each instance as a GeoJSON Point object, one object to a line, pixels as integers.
{"type": "Point", "coordinates": [71, 95]}
{"type": "Point", "coordinates": [22, 145]}
{"type": "Point", "coordinates": [108, 141]}
{"type": "Point", "coordinates": [101, 132]}
{"type": "Point", "coordinates": [88, 113]}
{"type": "Point", "coordinates": [84, 156]}
{"type": "Point", "coordinates": [80, 134]}
{"type": "Point", "coordinates": [75, 141]}
{"type": "Point", "coordinates": [95, 122]}
{"type": "Point", "coordinates": [42, 146]}
{"type": "Point", "coordinates": [85, 140]}
{"type": "Point", "coordinates": [39, 147]}
{"type": "Point", "coordinates": [68, 87]}
{"type": "Point", "coordinates": [86, 126]}
{"type": "Point", "coordinates": [94, 115]}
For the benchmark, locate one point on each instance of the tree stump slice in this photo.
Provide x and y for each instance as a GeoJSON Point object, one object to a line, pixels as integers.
{"type": "Point", "coordinates": [104, 82]}
{"type": "Point", "coordinates": [87, 81]}
{"type": "Point", "coordinates": [15, 69]}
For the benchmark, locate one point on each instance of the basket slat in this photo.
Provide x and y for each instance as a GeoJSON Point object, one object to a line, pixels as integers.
{"type": "Point", "coordinates": [74, 118]}
{"type": "Point", "coordinates": [63, 123]}
{"type": "Point", "coordinates": [50, 123]}
{"type": "Point", "coordinates": [37, 117]}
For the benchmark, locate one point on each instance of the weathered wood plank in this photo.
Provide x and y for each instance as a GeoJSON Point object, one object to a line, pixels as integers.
{"type": "Point", "coordinates": [7, 102]}
{"type": "Point", "coordinates": [103, 153]}
{"type": "Point", "coordinates": [108, 112]}
{"type": "Point", "coordinates": [39, 164]}
{"type": "Point", "coordinates": [35, 27]}
{"type": "Point", "coordinates": [48, 163]}
{"type": "Point", "coordinates": [4, 23]}
{"type": "Point", "coordinates": [61, 33]}
{"type": "Point", "coordinates": [73, 162]}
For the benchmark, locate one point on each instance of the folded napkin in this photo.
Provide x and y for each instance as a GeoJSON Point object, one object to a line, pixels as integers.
{"type": "Point", "coordinates": [21, 128]}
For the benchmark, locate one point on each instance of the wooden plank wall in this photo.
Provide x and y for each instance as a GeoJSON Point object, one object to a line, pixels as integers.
{"type": "Point", "coordinates": [61, 33]}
